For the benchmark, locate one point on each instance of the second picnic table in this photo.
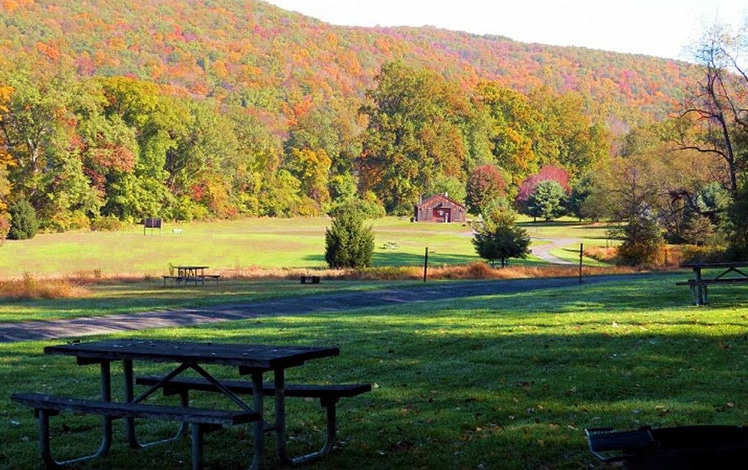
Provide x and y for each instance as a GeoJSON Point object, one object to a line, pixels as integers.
{"type": "Point", "coordinates": [727, 273]}
{"type": "Point", "coordinates": [190, 273]}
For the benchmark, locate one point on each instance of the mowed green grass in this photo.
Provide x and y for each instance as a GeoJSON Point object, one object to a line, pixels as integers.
{"type": "Point", "coordinates": [502, 381]}
{"type": "Point", "coordinates": [248, 244]}
{"type": "Point", "coordinates": [497, 381]}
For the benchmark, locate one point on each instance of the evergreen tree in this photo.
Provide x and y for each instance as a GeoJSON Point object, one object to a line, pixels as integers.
{"type": "Point", "coordinates": [23, 222]}
{"type": "Point", "coordinates": [499, 238]}
{"type": "Point", "coordinates": [529, 185]}
{"type": "Point", "coordinates": [348, 242]}
{"type": "Point", "coordinates": [547, 200]}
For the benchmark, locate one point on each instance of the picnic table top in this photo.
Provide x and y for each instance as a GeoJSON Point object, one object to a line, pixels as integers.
{"type": "Point", "coordinates": [253, 356]}
{"type": "Point", "coordinates": [726, 264]}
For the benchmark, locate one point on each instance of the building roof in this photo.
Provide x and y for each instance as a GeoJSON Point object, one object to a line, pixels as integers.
{"type": "Point", "coordinates": [437, 198]}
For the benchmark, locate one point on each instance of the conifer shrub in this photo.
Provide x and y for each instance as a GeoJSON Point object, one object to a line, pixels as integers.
{"type": "Point", "coordinates": [23, 221]}
{"type": "Point", "coordinates": [348, 242]}
{"type": "Point", "coordinates": [499, 238]}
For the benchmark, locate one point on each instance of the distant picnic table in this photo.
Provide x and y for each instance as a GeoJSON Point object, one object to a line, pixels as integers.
{"type": "Point", "coordinates": [193, 274]}
{"type": "Point", "coordinates": [726, 273]}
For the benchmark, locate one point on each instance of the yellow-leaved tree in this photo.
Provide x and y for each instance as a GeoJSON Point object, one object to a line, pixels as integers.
{"type": "Point", "coordinates": [5, 94]}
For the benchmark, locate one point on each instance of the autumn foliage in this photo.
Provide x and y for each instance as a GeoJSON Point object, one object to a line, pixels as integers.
{"type": "Point", "coordinates": [484, 188]}
{"type": "Point", "coordinates": [200, 110]}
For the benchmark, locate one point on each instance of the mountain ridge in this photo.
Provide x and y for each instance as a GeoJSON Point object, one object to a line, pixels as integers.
{"type": "Point", "coordinates": [270, 58]}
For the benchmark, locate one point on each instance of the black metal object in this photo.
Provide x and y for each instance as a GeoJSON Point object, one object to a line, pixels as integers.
{"type": "Point", "coordinates": [152, 223]}
{"type": "Point", "coordinates": [681, 447]}
{"type": "Point", "coordinates": [253, 360]}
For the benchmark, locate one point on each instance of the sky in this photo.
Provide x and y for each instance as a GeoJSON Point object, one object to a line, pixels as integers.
{"type": "Point", "coordinates": [661, 28]}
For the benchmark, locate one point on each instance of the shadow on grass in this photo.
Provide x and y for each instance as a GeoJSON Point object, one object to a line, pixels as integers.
{"type": "Point", "coordinates": [510, 380]}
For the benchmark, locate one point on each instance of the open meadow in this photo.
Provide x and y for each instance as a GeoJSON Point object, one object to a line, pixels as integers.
{"type": "Point", "coordinates": [77, 274]}
{"type": "Point", "coordinates": [501, 380]}
{"type": "Point", "coordinates": [245, 245]}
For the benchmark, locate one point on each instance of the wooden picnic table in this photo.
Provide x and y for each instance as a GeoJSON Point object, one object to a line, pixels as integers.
{"type": "Point", "coordinates": [253, 360]}
{"type": "Point", "coordinates": [190, 273]}
{"type": "Point", "coordinates": [726, 273]}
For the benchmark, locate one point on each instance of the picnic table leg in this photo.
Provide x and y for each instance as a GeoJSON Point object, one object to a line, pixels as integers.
{"type": "Point", "coordinates": [693, 294]}
{"type": "Point", "coordinates": [258, 405]}
{"type": "Point", "coordinates": [106, 395]}
{"type": "Point", "coordinates": [705, 295]}
{"type": "Point", "coordinates": [197, 446]}
{"type": "Point", "coordinates": [280, 416]}
{"type": "Point", "coordinates": [45, 447]}
{"type": "Point", "coordinates": [280, 426]}
{"type": "Point", "coordinates": [132, 437]}
{"type": "Point", "coordinates": [700, 288]}
{"type": "Point", "coordinates": [129, 396]}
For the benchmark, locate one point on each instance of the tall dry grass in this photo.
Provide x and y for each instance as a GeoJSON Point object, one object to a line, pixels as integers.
{"type": "Point", "coordinates": [474, 270]}
{"type": "Point", "coordinates": [31, 288]}
{"type": "Point", "coordinates": [669, 257]}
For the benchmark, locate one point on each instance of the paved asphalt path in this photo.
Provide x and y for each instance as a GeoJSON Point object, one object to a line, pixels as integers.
{"type": "Point", "coordinates": [327, 302]}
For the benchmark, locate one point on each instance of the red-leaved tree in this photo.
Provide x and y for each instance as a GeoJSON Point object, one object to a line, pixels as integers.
{"type": "Point", "coordinates": [484, 187]}
{"type": "Point", "coordinates": [547, 173]}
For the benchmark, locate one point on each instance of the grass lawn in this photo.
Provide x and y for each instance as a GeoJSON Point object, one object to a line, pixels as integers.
{"type": "Point", "coordinates": [501, 381]}
{"type": "Point", "coordinates": [243, 245]}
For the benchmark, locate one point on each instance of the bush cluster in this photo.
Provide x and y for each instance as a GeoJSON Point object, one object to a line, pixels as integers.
{"type": "Point", "coordinates": [108, 224]}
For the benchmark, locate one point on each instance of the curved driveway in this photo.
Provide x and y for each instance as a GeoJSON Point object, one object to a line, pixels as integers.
{"type": "Point", "coordinates": [543, 250]}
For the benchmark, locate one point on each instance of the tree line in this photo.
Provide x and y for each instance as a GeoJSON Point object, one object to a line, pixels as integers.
{"type": "Point", "coordinates": [94, 152]}
{"type": "Point", "coordinates": [118, 148]}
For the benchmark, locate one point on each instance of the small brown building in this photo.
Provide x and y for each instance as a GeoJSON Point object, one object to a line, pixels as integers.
{"type": "Point", "coordinates": [440, 208]}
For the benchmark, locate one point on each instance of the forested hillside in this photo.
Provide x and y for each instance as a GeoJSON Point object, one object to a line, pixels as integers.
{"type": "Point", "coordinates": [115, 110]}
{"type": "Point", "coordinates": [262, 56]}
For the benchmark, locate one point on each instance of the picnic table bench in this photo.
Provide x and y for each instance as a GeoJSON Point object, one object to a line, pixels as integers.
{"type": "Point", "coordinates": [201, 420]}
{"type": "Point", "coordinates": [681, 447]}
{"type": "Point", "coordinates": [727, 273]}
{"type": "Point", "coordinates": [312, 279]}
{"type": "Point", "coordinates": [328, 395]}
